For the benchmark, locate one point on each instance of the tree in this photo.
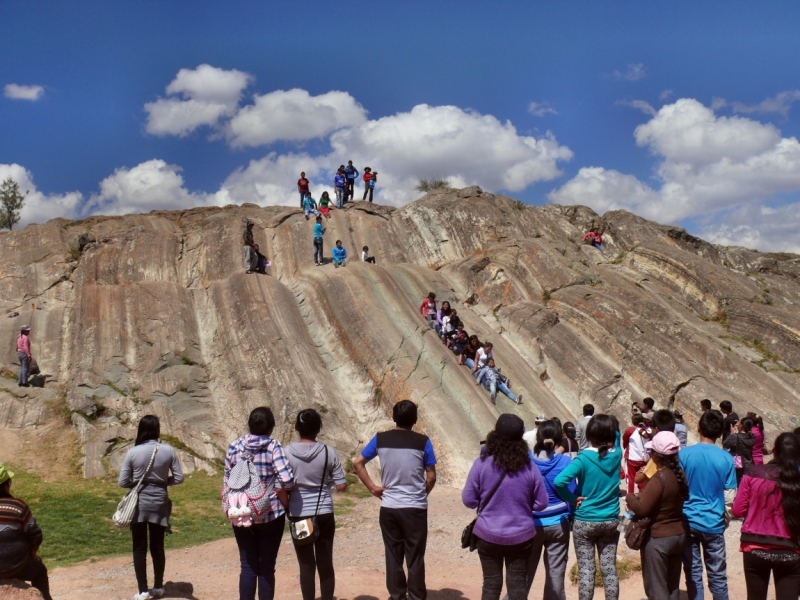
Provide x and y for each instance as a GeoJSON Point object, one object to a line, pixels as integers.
{"type": "Point", "coordinates": [428, 185]}
{"type": "Point", "coordinates": [11, 202]}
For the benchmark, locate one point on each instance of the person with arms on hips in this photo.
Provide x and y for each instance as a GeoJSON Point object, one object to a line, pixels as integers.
{"type": "Point", "coordinates": [154, 507]}
{"type": "Point", "coordinates": [769, 501]}
{"type": "Point", "coordinates": [711, 477]}
{"type": "Point", "coordinates": [351, 173]}
{"type": "Point", "coordinates": [303, 188]}
{"type": "Point", "coordinates": [661, 501]}
{"type": "Point", "coordinates": [408, 474]}
{"type": "Point", "coordinates": [259, 543]}
{"type": "Point", "coordinates": [596, 505]}
{"type": "Point", "coordinates": [250, 257]}
{"type": "Point", "coordinates": [580, 427]}
{"type": "Point", "coordinates": [317, 471]}
{"type": "Point", "coordinates": [24, 355]}
{"type": "Point", "coordinates": [20, 538]}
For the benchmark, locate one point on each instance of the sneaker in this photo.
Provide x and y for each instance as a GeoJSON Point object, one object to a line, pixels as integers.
{"type": "Point", "coordinates": [248, 271]}
{"type": "Point", "coordinates": [519, 399]}
{"type": "Point", "coordinates": [24, 384]}
{"type": "Point", "coordinates": [157, 592]}
{"type": "Point", "coordinates": [494, 398]}
{"type": "Point", "coordinates": [143, 596]}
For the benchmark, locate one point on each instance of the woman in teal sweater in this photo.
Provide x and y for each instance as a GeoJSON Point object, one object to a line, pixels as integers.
{"type": "Point", "coordinates": [597, 505]}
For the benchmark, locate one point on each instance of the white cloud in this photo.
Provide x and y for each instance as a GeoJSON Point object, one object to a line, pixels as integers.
{"type": "Point", "coordinates": [39, 207]}
{"type": "Point", "coordinates": [758, 226]}
{"type": "Point", "coordinates": [293, 115]}
{"type": "Point", "coordinates": [634, 72]}
{"type": "Point", "coordinates": [540, 109]}
{"type": "Point", "coordinates": [665, 95]}
{"type": "Point", "coordinates": [151, 185]}
{"type": "Point", "coordinates": [780, 104]}
{"type": "Point", "coordinates": [207, 94]}
{"type": "Point", "coordinates": [23, 92]}
{"type": "Point", "coordinates": [641, 105]}
{"type": "Point", "coordinates": [606, 189]}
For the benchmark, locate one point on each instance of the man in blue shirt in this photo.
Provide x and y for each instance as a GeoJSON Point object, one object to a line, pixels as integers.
{"type": "Point", "coordinates": [351, 173]}
{"type": "Point", "coordinates": [408, 474]}
{"type": "Point", "coordinates": [711, 476]}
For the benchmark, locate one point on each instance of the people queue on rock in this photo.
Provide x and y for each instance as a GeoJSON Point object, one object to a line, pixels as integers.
{"type": "Point", "coordinates": [343, 184]}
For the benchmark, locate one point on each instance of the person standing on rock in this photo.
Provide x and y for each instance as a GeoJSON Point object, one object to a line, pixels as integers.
{"type": "Point", "coordinates": [580, 428]}
{"type": "Point", "coordinates": [154, 508]}
{"type": "Point", "coordinates": [250, 256]}
{"type": "Point", "coordinates": [259, 544]}
{"type": "Point", "coordinates": [24, 355]}
{"type": "Point", "coordinates": [350, 173]}
{"type": "Point", "coordinates": [303, 188]}
{"type": "Point", "coordinates": [711, 476]}
{"type": "Point", "coordinates": [339, 184]}
{"type": "Point", "coordinates": [317, 471]}
{"type": "Point", "coordinates": [20, 538]}
{"type": "Point", "coordinates": [507, 489]}
{"type": "Point", "coordinates": [319, 231]}
{"type": "Point", "coordinates": [408, 474]}
{"type": "Point", "coordinates": [428, 309]}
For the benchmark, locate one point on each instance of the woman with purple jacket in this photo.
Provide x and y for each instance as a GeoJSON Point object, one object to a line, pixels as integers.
{"type": "Point", "coordinates": [506, 488]}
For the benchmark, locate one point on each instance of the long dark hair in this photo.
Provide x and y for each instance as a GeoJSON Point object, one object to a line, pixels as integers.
{"type": "Point", "coordinates": [787, 460]}
{"type": "Point", "coordinates": [445, 311]}
{"type": "Point", "coordinates": [671, 462]}
{"type": "Point", "coordinates": [509, 455]}
{"type": "Point", "coordinates": [149, 429]}
{"type": "Point", "coordinates": [601, 431]}
{"type": "Point", "coordinates": [747, 425]}
{"type": "Point", "coordinates": [547, 437]}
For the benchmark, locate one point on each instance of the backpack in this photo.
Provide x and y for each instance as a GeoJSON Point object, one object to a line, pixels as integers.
{"type": "Point", "coordinates": [245, 494]}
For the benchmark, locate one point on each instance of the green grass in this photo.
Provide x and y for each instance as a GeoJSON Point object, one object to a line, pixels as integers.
{"type": "Point", "coordinates": [75, 516]}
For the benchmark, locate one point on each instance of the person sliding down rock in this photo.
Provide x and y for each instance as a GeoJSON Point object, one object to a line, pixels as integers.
{"type": "Point", "coordinates": [261, 263]}
{"type": "Point", "coordinates": [339, 255]}
{"type": "Point", "coordinates": [310, 206]}
{"type": "Point", "coordinates": [428, 309]}
{"type": "Point", "coordinates": [250, 257]}
{"type": "Point", "coordinates": [494, 380]}
{"type": "Point", "coordinates": [595, 238]}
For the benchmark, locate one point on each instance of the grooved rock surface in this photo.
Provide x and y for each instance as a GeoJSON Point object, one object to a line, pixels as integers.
{"type": "Point", "coordinates": [154, 314]}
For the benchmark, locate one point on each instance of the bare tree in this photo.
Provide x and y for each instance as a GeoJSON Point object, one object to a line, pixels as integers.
{"type": "Point", "coordinates": [11, 202]}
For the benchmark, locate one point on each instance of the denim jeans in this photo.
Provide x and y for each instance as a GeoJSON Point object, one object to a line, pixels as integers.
{"type": "Point", "coordinates": [515, 559]}
{"type": "Point", "coordinates": [713, 550]}
{"type": "Point", "coordinates": [339, 197]}
{"type": "Point", "coordinates": [318, 251]}
{"type": "Point", "coordinates": [258, 552]}
{"type": "Point", "coordinates": [302, 197]}
{"type": "Point", "coordinates": [24, 367]}
{"type": "Point", "coordinates": [499, 385]}
{"type": "Point", "coordinates": [470, 363]}
{"type": "Point", "coordinates": [554, 540]}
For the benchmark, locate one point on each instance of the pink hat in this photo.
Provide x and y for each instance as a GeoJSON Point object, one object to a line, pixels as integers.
{"type": "Point", "coordinates": [665, 442]}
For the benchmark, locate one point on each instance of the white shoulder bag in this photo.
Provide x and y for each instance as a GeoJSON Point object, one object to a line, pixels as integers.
{"type": "Point", "coordinates": [127, 506]}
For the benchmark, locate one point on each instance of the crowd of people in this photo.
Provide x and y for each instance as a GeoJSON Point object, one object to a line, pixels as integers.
{"type": "Point", "coordinates": [476, 355]}
{"type": "Point", "coordinates": [533, 491]}
{"type": "Point", "coordinates": [344, 183]}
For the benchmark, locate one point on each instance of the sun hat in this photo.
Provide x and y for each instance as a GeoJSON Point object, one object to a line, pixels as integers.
{"type": "Point", "coordinates": [5, 474]}
{"type": "Point", "coordinates": [540, 419]}
{"type": "Point", "coordinates": [665, 442]}
{"type": "Point", "coordinates": [25, 328]}
{"type": "Point", "coordinates": [509, 427]}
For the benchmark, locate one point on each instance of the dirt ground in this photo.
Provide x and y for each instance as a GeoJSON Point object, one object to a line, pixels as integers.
{"type": "Point", "coordinates": [211, 571]}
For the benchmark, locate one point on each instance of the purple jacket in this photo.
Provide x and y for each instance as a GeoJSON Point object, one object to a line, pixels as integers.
{"type": "Point", "coordinates": [508, 518]}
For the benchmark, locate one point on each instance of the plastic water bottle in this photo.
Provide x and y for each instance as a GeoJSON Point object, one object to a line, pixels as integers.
{"type": "Point", "coordinates": [623, 524]}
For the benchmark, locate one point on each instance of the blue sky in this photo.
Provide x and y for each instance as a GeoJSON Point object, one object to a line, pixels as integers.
{"type": "Point", "coordinates": [726, 168]}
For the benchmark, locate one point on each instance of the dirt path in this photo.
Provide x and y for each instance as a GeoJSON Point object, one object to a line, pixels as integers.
{"type": "Point", "coordinates": [211, 571]}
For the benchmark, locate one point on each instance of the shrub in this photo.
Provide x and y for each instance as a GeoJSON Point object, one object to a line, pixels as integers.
{"type": "Point", "coordinates": [428, 185]}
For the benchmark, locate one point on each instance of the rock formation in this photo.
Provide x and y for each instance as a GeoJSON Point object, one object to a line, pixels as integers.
{"type": "Point", "coordinates": [154, 314]}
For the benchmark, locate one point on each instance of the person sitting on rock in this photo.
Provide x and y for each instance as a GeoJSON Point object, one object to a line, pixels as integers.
{"type": "Point", "coordinates": [428, 308]}
{"type": "Point", "coordinates": [443, 312]}
{"type": "Point", "coordinates": [324, 205]}
{"type": "Point", "coordinates": [250, 258]}
{"type": "Point", "coordinates": [482, 357]}
{"type": "Point", "coordinates": [595, 238]}
{"type": "Point", "coordinates": [453, 324]}
{"type": "Point", "coordinates": [20, 538]}
{"type": "Point", "coordinates": [261, 263]}
{"type": "Point", "coordinates": [339, 255]}
{"type": "Point", "coordinates": [449, 323]}
{"type": "Point", "coordinates": [470, 352]}
{"type": "Point", "coordinates": [493, 380]}
{"type": "Point", "coordinates": [310, 206]}
{"type": "Point", "coordinates": [365, 257]}
{"type": "Point", "coordinates": [459, 339]}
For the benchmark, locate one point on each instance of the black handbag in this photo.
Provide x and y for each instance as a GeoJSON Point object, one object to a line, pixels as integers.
{"type": "Point", "coordinates": [306, 531]}
{"type": "Point", "coordinates": [468, 539]}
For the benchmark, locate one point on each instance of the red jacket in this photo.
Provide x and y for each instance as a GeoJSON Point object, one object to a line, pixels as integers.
{"type": "Point", "coordinates": [367, 176]}
{"type": "Point", "coordinates": [759, 502]}
{"type": "Point", "coordinates": [423, 308]}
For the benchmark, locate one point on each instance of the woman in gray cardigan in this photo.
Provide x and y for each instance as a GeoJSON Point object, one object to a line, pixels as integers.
{"type": "Point", "coordinates": [154, 507]}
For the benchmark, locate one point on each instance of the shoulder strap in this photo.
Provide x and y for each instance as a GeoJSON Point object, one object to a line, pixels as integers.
{"type": "Point", "coordinates": [322, 483]}
{"type": "Point", "coordinates": [492, 493]}
{"type": "Point", "coordinates": [149, 466]}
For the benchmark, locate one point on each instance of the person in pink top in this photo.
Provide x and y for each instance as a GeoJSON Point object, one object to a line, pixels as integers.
{"type": "Point", "coordinates": [769, 501]}
{"type": "Point", "coordinates": [758, 432]}
{"type": "Point", "coordinates": [24, 355]}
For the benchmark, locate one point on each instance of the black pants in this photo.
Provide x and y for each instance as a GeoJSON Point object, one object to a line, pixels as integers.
{"type": "Point", "coordinates": [371, 259]}
{"type": "Point", "coordinates": [318, 557]}
{"type": "Point", "coordinates": [368, 190]}
{"type": "Point", "coordinates": [349, 188]}
{"type": "Point", "coordinates": [515, 558]}
{"type": "Point", "coordinates": [317, 251]}
{"type": "Point", "coordinates": [139, 533]}
{"type": "Point", "coordinates": [405, 535]}
{"type": "Point", "coordinates": [756, 577]}
{"type": "Point", "coordinates": [36, 573]}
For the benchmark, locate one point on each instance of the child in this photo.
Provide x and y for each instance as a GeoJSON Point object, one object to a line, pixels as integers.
{"type": "Point", "coordinates": [372, 181]}
{"type": "Point", "coordinates": [319, 231]}
{"type": "Point", "coordinates": [310, 206]}
{"type": "Point", "coordinates": [365, 257]}
{"type": "Point", "coordinates": [448, 324]}
{"type": "Point", "coordinates": [495, 381]}
{"type": "Point", "coordinates": [339, 255]}
{"type": "Point", "coordinates": [459, 339]}
{"type": "Point", "coordinates": [323, 205]}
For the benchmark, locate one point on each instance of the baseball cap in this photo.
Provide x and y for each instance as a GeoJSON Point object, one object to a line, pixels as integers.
{"type": "Point", "coordinates": [509, 427]}
{"type": "Point", "coordinates": [665, 442]}
{"type": "Point", "coordinates": [25, 328]}
{"type": "Point", "coordinates": [540, 419]}
{"type": "Point", "coordinates": [5, 474]}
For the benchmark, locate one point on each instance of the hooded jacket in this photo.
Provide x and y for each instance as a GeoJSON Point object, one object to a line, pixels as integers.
{"type": "Point", "coordinates": [741, 444]}
{"type": "Point", "coordinates": [598, 479]}
{"type": "Point", "coordinates": [557, 509]}
{"type": "Point", "coordinates": [308, 462]}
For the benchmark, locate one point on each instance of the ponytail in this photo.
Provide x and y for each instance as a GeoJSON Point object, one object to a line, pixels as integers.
{"type": "Point", "coordinates": [546, 435]}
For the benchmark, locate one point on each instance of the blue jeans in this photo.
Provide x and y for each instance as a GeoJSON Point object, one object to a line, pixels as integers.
{"type": "Point", "coordinates": [24, 367]}
{"type": "Point", "coordinates": [258, 552]}
{"type": "Point", "coordinates": [499, 385]}
{"type": "Point", "coordinates": [339, 261]}
{"type": "Point", "coordinates": [302, 197]}
{"type": "Point", "coordinates": [339, 197]}
{"type": "Point", "coordinates": [713, 547]}
{"type": "Point", "coordinates": [470, 363]}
